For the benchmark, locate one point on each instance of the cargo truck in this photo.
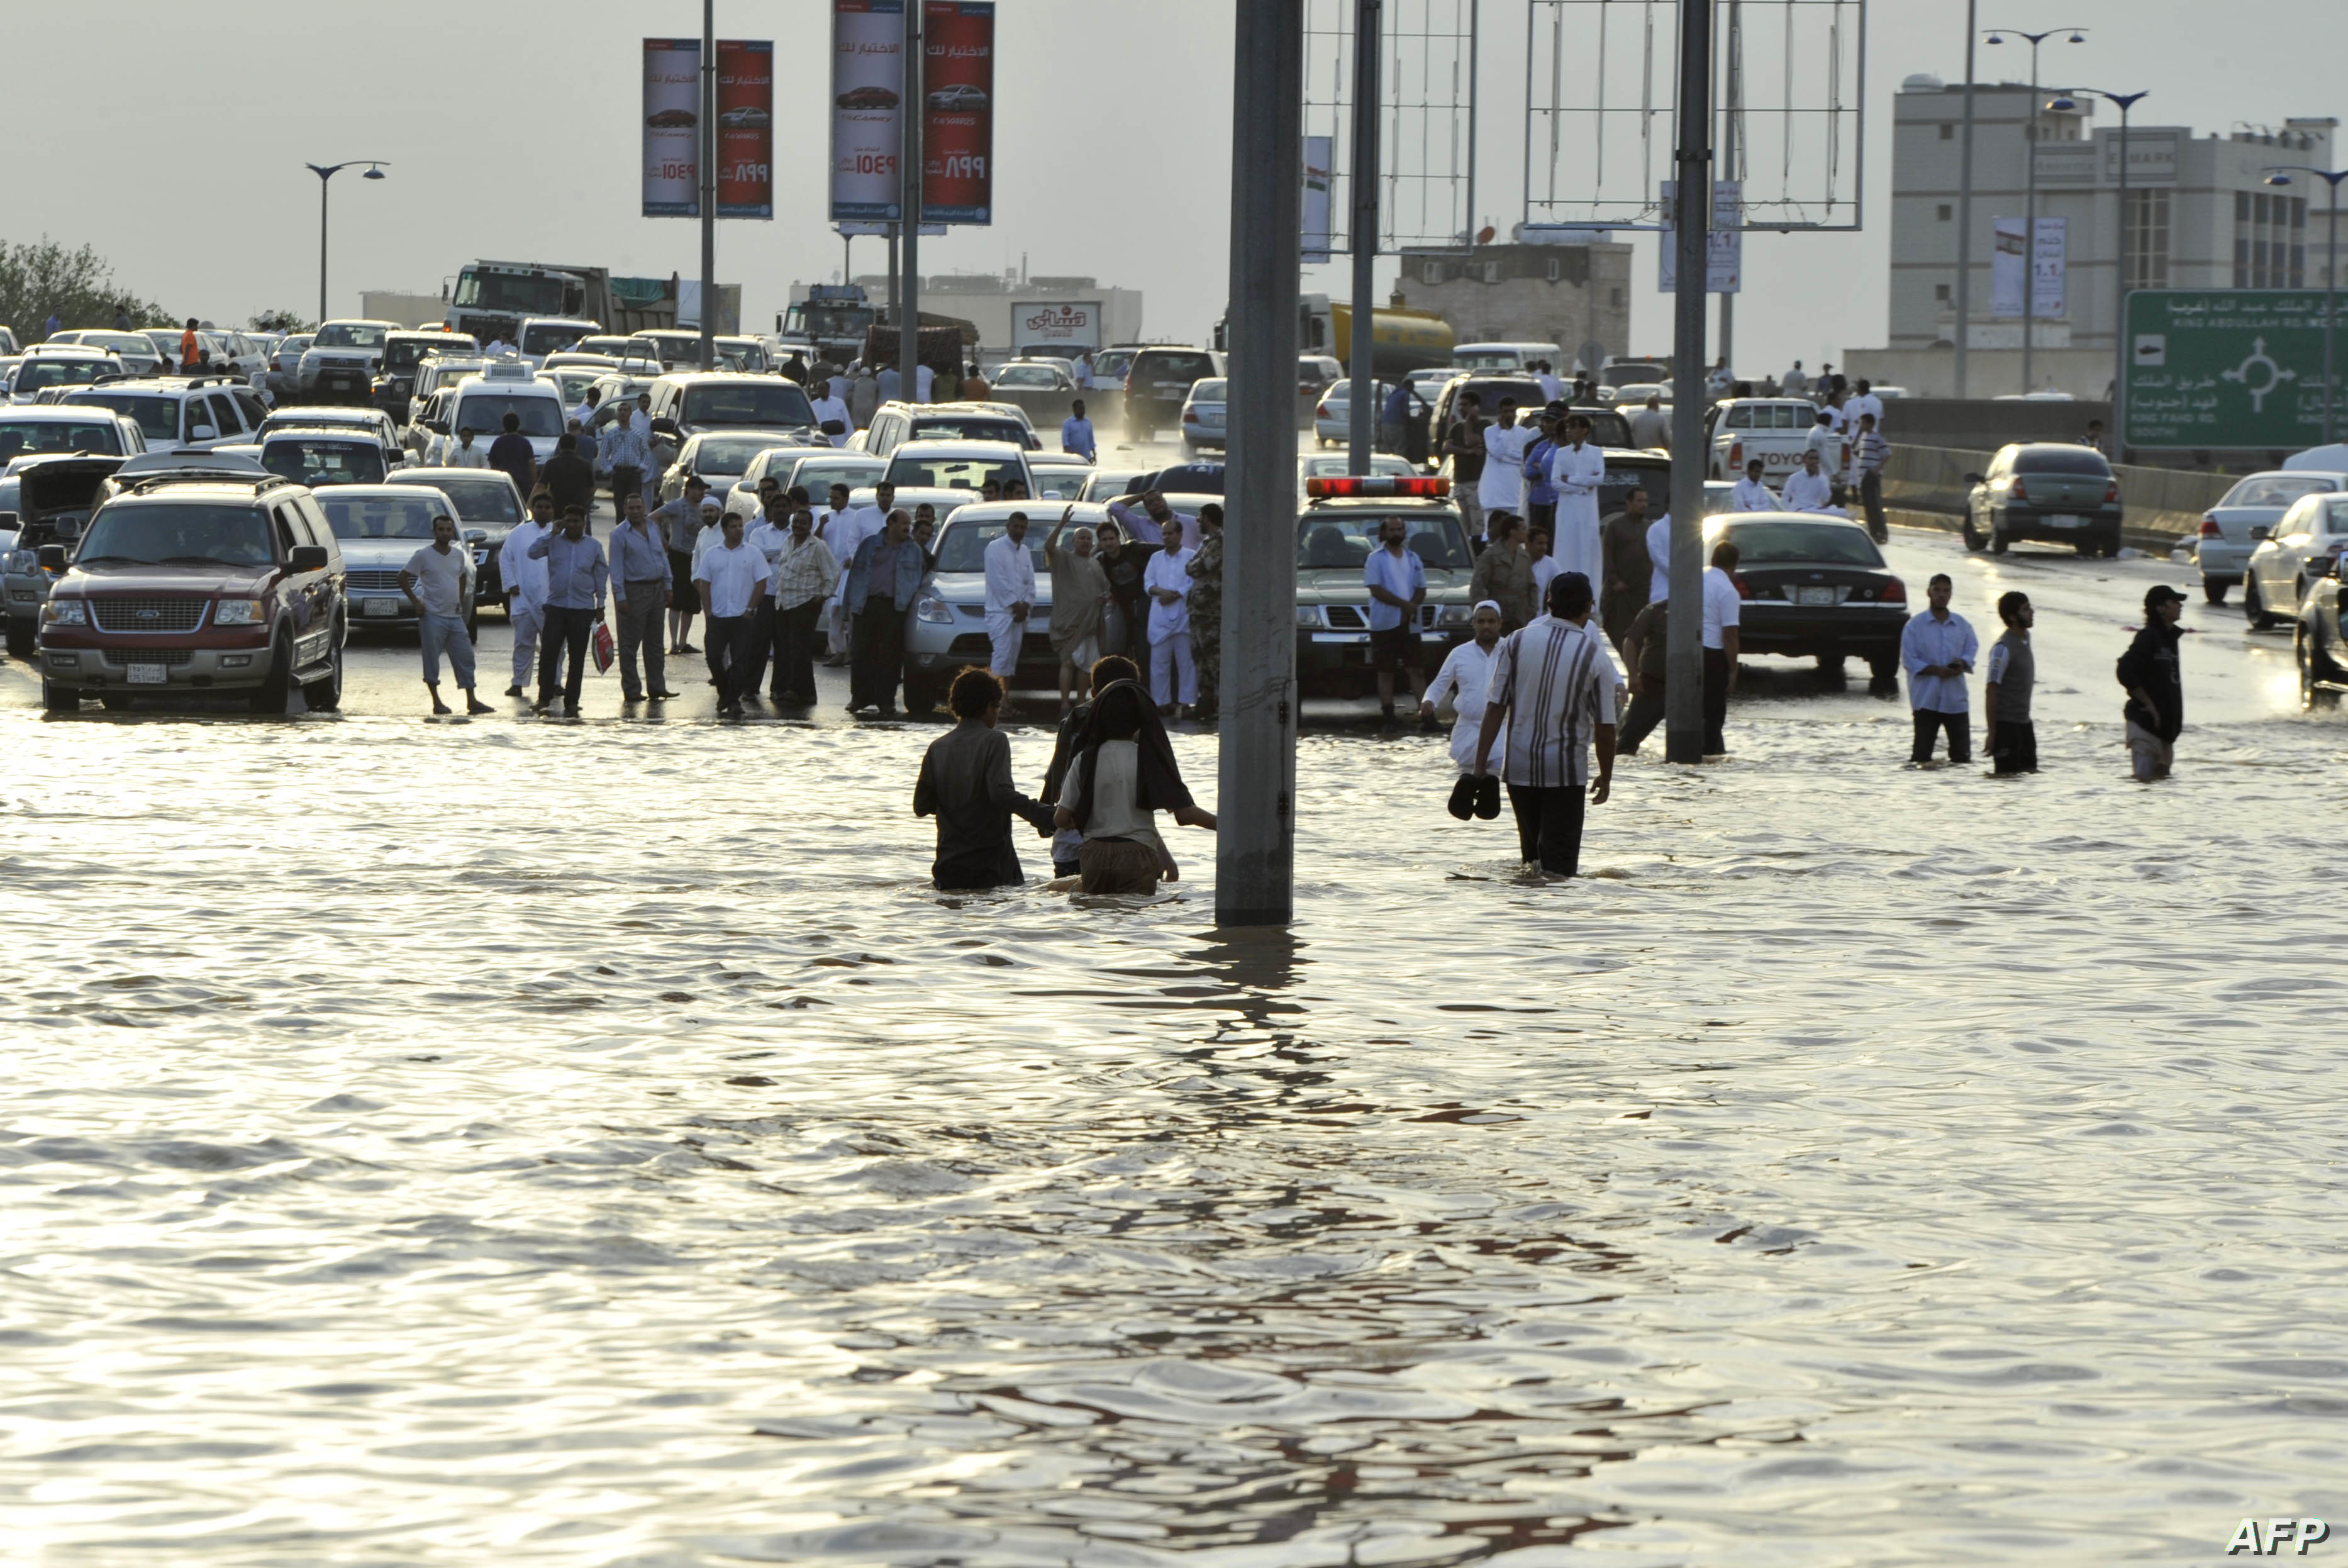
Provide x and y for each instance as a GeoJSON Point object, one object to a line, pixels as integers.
{"type": "Point", "coordinates": [491, 299]}
{"type": "Point", "coordinates": [1401, 339]}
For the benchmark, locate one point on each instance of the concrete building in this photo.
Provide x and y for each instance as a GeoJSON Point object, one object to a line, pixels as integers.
{"type": "Point", "coordinates": [1565, 294]}
{"type": "Point", "coordinates": [2199, 215]}
{"type": "Point", "coordinates": [1015, 312]}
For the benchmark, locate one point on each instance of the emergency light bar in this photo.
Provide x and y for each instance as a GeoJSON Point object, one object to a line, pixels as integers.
{"type": "Point", "coordinates": [1377, 485]}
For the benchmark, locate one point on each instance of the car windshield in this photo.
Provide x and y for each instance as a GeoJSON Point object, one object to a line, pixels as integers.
{"type": "Point", "coordinates": [1026, 375]}
{"type": "Point", "coordinates": [327, 461]}
{"type": "Point", "coordinates": [349, 335]}
{"type": "Point", "coordinates": [617, 347]}
{"type": "Point", "coordinates": [292, 347]}
{"type": "Point", "coordinates": [158, 417]}
{"type": "Point", "coordinates": [152, 533]}
{"type": "Point", "coordinates": [963, 546]}
{"type": "Point", "coordinates": [1211, 391]}
{"type": "Point", "coordinates": [1162, 369]}
{"type": "Point", "coordinates": [512, 291]}
{"type": "Point", "coordinates": [549, 338]}
{"type": "Point", "coordinates": [1607, 429]}
{"type": "Point", "coordinates": [573, 384]}
{"type": "Point", "coordinates": [25, 438]}
{"type": "Point", "coordinates": [948, 429]}
{"type": "Point", "coordinates": [486, 413]}
{"type": "Point", "coordinates": [1189, 479]}
{"type": "Point", "coordinates": [487, 499]}
{"type": "Point", "coordinates": [951, 474]}
{"type": "Point", "coordinates": [1772, 542]}
{"type": "Point", "coordinates": [2061, 460]}
{"type": "Point", "coordinates": [2277, 489]}
{"type": "Point", "coordinates": [1061, 484]}
{"type": "Point", "coordinates": [729, 454]}
{"type": "Point", "coordinates": [404, 353]}
{"type": "Point", "coordinates": [379, 517]}
{"type": "Point", "coordinates": [775, 404]}
{"type": "Point", "coordinates": [1488, 359]}
{"type": "Point", "coordinates": [1331, 466]}
{"type": "Point", "coordinates": [1329, 541]}
{"type": "Point", "coordinates": [35, 374]}
{"type": "Point", "coordinates": [817, 477]}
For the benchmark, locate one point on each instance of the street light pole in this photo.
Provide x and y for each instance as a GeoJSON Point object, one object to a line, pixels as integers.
{"type": "Point", "coordinates": [2280, 174]}
{"type": "Point", "coordinates": [325, 172]}
{"type": "Point", "coordinates": [2030, 200]}
{"type": "Point", "coordinates": [1965, 208]}
{"type": "Point", "coordinates": [2126, 101]}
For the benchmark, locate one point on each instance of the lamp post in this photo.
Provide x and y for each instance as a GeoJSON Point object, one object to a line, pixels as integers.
{"type": "Point", "coordinates": [2125, 101]}
{"type": "Point", "coordinates": [2030, 201]}
{"type": "Point", "coordinates": [375, 171]}
{"type": "Point", "coordinates": [1965, 214]}
{"type": "Point", "coordinates": [2280, 174]}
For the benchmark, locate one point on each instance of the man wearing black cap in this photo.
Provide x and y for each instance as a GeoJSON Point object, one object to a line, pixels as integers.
{"type": "Point", "coordinates": [2156, 704]}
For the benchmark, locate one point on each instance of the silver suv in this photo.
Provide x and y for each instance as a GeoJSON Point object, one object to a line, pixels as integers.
{"type": "Point", "coordinates": [342, 361]}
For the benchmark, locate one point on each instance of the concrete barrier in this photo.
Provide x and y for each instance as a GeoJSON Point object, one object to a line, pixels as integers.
{"type": "Point", "coordinates": [2158, 506]}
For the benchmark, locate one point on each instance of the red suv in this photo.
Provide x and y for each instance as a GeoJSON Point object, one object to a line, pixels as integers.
{"type": "Point", "coordinates": [197, 583]}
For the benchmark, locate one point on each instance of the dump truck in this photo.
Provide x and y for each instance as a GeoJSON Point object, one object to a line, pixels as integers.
{"type": "Point", "coordinates": [491, 299]}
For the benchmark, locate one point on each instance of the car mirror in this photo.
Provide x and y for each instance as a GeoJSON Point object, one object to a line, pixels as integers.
{"type": "Point", "coordinates": [2260, 530]}
{"type": "Point", "coordinates": [53, 558]}
{"type": "Point", "coordinates": [1972, 478]}
{"type": "Point", "coordinates": [203, 433]}
{"type": "Point", "coordinates": [477, 536]}
{"type": "Point", "coordinates": [664, 426]}
{"type": "Point", "coordinates": [307, 558]}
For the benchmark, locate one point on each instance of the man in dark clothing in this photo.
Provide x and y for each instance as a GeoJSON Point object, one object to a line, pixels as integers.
{"type": "Point", "coordinates": [1463, 445]}
{"type": "Point", "coordinates": [2010, 739]}
{"type": "Point", "coordinates": [965, 783]}
{"type": "Point", "coordinates": [2156, 704]}
{"type": "Point", "coordinates": [881, 580]}
{"type": "Point", "coordinates": [570, 478]}
{"type": "Point", "coordinates": [1105, 672]}
{"type": "Point", "coordinates": [1628, 569]}
{"type": "Point", "coordinates": [512, 452]}
{"type": "Point", "coordinates": [1646, 645]}
{"type": "Point", "coordinates": [1123, 561]}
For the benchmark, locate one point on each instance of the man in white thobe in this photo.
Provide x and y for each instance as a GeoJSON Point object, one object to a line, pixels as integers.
{"type": "Point", "coordinates": [1577, 469]}
{"type": "Point", "coordinates": [1173, 678]}
{"type": "Point", "coordinates": [1465, 679]}
{"type": "Point", "coordinates": [525, 584]}
{"type": "Point", "coordinates": [1502, 487]}
{"type": "Point", "coordinates": [1809, 488]}
{"type": "Point", "coordinates": [1010, 595]}
{"type": "Point", "coordinates": [1751, 494]}
{"type": "Point", "coordinates": [844, 529]}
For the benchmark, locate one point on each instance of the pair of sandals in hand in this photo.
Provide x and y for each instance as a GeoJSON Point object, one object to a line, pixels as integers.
{"type": "Point", "coordinates": [1475, 796]}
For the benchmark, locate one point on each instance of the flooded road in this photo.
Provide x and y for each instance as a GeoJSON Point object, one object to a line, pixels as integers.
{"type": "Point", "coordinates": [594, 1144]}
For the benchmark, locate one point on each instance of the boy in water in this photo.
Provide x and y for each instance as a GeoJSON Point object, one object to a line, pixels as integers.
{"type": "Point", "coordinates": [2010, 740]}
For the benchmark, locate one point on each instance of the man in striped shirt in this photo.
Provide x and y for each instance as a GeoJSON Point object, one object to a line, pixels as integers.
{"type": "Point", "coordinates": [1553, 689]}
{"type": "Point", "coordinates": [1868, 451]}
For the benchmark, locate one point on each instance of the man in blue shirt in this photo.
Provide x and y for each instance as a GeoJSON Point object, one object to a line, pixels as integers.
{"type": "Point", "coordinates": [1541, 494]}
{"type": "Point", "coordinates": [881, 580]}
{"type": "Point", "coordinates": [1076, 434]}
{"type": "Point", "coordinates": [1936, 650]}
{"type": "Point", "coordinates": [1394, 417]}
{"type": "Point", "coordinates": [576, 577]}
{"type": "Point", "coordinates": [1397, 579]}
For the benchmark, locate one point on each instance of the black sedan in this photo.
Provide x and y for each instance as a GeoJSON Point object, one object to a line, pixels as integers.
{"type": "Point", "coordinates": [1813, 586]}
{"type": "Point", "coordinates": [2322, 642]}
{"type": "Point", "coordinates": [2052, 490]}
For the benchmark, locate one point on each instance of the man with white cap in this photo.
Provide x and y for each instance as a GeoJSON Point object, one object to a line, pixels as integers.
{"type": "Point", "coordinates": [1465, 679]}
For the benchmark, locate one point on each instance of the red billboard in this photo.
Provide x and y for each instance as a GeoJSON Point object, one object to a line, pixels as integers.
{"type": "Point", "coordinates": [958, 111]}
{"type": "Point", "coordinates": [746, 128]}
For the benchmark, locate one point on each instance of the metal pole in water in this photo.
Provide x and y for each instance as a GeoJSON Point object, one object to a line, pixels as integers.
{"type": "Point", "coordinates": [708, 184]}
{"type": "Point", "coordinates": [909, 202]}
{"type": "Point", "coordinates": [1692, 168]}
{"type": "Point", "coordinates": [1361, 386]}
{"type": "Point", "coordinates": [1255, 849]}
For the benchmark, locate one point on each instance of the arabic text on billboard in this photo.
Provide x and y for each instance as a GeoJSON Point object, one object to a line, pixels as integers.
{"type": "Point", "coordinates": [1319, 152]}
{"type": "Point", "coordinates": [1048, 328]}
{"type": "Point", "coordinates": [671, 128]}
{"type": "Point", "coordinates": [746, 128]}
{"type": "Point", "coordinates": [958, 115]}
{"type": "Point", "coordinates": [868, 79]}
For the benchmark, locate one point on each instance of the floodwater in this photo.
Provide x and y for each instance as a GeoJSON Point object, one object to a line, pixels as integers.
{"type": "Point", "coordinates": [595, 1144]}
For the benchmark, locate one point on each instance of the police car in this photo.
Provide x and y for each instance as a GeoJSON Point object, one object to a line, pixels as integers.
{"type": "Point", "coordinates": [1335, 532]}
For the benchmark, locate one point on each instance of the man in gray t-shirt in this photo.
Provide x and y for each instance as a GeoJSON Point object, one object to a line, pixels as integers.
{"type": "Point", "coordinates": [438, 580]}
{"type": "Point", "coordinates": [2011, 740]}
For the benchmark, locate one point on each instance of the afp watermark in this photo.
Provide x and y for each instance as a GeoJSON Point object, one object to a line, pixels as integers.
{"type": "Point", "coordinates": [2266, 1538]}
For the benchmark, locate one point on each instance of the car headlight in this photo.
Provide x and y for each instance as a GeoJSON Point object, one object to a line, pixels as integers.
{"type": "Point", "coordinates": [237, 613]}
{"type": "Point", "coordinates": [936, 612]}
{"type": "Point", "coordinates": [66, 613]}
{"type": "Point", "coordinates": [24, 563]}
{"type": "Point", "coordinates": [1456, 615]}
{"type": "Point", "coordinates": [1309, 615]}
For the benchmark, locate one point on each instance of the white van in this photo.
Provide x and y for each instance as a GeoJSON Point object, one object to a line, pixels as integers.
{"type": "Point", "coordinates": [543, 335]}
{"type": "Point", "coordinates": [483, 401]}
{"type": "Point", "coordinates": [1515, 357]}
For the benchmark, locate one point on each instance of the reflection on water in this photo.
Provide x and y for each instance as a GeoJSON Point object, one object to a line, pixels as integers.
{"type": "Point", "coordinates": [582, 1145]}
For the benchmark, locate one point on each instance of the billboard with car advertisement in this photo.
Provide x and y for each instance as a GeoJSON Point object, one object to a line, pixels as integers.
{"type": "Point", "coordinates": [671, 128]}
{"type": "Point", "coordinates": [868, 79]}
{"type": "Point", "coordinates": [958, 111]}
{"type": "Point", "coordinates": [746, 128]}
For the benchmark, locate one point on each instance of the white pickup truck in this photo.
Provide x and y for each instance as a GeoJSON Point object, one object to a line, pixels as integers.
{"type": "Point", "coordinates": [1775, 429]}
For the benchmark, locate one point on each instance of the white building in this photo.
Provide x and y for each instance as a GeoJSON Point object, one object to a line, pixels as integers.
{"type": "Point", "coordinates": [2199, 215]}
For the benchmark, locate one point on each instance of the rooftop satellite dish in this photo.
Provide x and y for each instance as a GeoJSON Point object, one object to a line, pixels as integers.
{"type": "Point", "coordinates": [1484, 236]}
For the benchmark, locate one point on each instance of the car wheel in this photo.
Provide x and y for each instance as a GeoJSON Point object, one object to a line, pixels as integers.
{"type": "Point", "coordinates": [2213, 589]}
{"type": "Point", "coordinates": [1830, 667]}
{"type": "Point", "coordinates": [1973, 540]}
{"type": "Point", "coordinates": [56, 698]}
{"type": "Point", "coordinates": [325, 696]}
{"type": "Point", "coordinates": [2254, 610]}
{"type": "Point", "coordinates": [2311, 694]}
{"type": "Point", "coordinates": [114, 701]}
{"type": "Point", "coordinates": [1998, 542]}
{"type": "Point", "coordinates": [22, 631]}
{"type": "Point", "coordinates": [277, 686]}
{"type": "Point", "coordinates": [1883, 672]}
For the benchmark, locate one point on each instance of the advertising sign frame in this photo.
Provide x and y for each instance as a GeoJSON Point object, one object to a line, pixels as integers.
{"type": "Point", "coordinates": [958, 79]}
{"type": "Point", "coordinates": [671, 128]}
{"type": "Point", "coordinates": [868, 42]}
{"type": "Point", "coordinates": [746, 128]}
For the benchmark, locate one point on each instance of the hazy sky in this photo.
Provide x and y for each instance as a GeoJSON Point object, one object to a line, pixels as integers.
{"type": "Point", "coordinates": [512, 131]}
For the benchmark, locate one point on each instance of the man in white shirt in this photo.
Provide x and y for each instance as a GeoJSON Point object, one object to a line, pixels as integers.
{"type": "Point", "coordinates": [1863, 401]}
{"type": "Point", "coordinates": [1010, 596]}
{"type": "Point", "coordinates": [1578, 468]}
{"type": "Point", "coordinates": [1552, 389]}
{"type": "Point", "coordinates": [732, 578]}
{"type": "Point", "coordinates": [769, 536]}
{"type": "Point", "coordinates": [1502, 486]}
{"type": "Point", "coordinates": [1751, 494]}
{"type": "Point", "coordinates": [1723, 612]}
{"type": "Point", "coordinates": [924, 379]}
{"type": "Point", "coordinates": [1937, 651]}
{"type": "Point", "coordinates": [1869, 453]}
{"type": "Point", "coordinates": [1552, 692]}
{"type": "Point", "coordinates": [438, 580]}
{"type": "Point", "coordinates": [1659, 551]}
{"type": "Point", "coordinates": [1173, 678]}
{"type": "Point", "coordinates": [844, 529]}
{"type": "Point", "coordinates": [463, 453]}
{"type": "Point", "coordinates": [1794, 383]}
{"type": "Point", "coordinates": [524, 577]}
{"type": "Point", "coordinates": [1466, 681]}
{"type": "Point", "coordinates": [585, 412]}
{"type": "Point", "coordinates": [833, 420]}
{"type": "Point", "coordinates": [1809, 488]}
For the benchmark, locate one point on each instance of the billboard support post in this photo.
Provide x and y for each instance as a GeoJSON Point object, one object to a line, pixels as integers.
{"type": "Point", "coordinates": [1255, 839]}
{"type": "Point", "coordinates": [708, 159]}
{"type": "Point", "coordinates": [908, 201]}
{"type": "Point", "coordinates": [1363, 412]}
{"type": "Point", "coordinates": [1684, 734]}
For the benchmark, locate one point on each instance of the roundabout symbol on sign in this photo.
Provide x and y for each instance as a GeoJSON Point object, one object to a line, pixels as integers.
{"type": "Point", "coordinates": [2275, 375]}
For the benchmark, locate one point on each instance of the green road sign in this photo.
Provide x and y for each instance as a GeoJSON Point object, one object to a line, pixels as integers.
{"type": "Point", "coordinates": [2230, 367]}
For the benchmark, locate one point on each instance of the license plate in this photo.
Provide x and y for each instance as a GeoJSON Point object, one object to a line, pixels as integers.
{"type": "Point", "coordinates": [2066, 519]}
{"type": "Point", "coordinates": [150, 675]}
{"type": "Point", "coordinates": [1341, 636]}
{"type": "Point", "coordinates": [380, 607]}
{"type": "Point", "coordinates": [1814, 596]}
